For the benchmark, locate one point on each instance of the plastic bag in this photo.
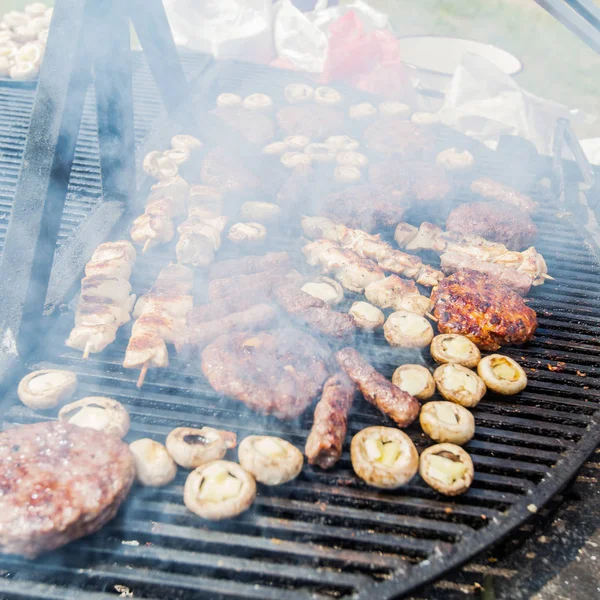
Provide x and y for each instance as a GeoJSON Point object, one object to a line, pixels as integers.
{"type": "Point", "coordinates": [224, 28]}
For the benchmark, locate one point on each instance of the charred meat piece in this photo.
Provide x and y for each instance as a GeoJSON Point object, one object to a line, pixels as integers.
{"type": "Point", "coordinates": [238, 301]}
{"type": "Point", "coordinates": [314, 312]}
{"type": "Point", "coordinates": [397, 136]}
{"type": "Point", "coordinates": [254, 126]}
{"type": "Point", "coordinates": [494, 190]}
{"type": "Point", "coordinates": [219, 288]}
{"type": "Point", "coordinates": [276, 372]}
{"type": "Point", "coordinates": [401, 407]}
{"type": "Point", "coordinates": [223, 170]}
{"type": "Point", "coordinates": [494, 221]}
{"type": "Point", "coordinates": [314, 121]}
{"type": "Point", "coordinates": [59, 482]}
{"type": "Point", "coordinates": [249, 265]}
{"type": "Point", "coordinates": [475, 305]}
{"type": "Point", "coordinates": [326, 438]}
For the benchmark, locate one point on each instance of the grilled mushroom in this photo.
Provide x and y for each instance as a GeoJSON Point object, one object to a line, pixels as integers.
{"type": "Point", "coordinates": [260, 102]}
{"type": "Point", "coordinates": [416, 380]}
{"type": "Point", "coordinates": [459, 384]}
{"type": "Point", "coordinates": [393, 109]}
{"type": "Point", "coordinates": [99, 413]}
{"type": "Point", "coordinates": [35, 9]}
{"type": "Point", "coordinates": [447, 422]}
{"type": "Point", "coordinates": [407, 330]}
{"type": "Point", "coordinates": [24, 71]}
{"type": "Point", "coordinates": [183, 140]}
{"type": "Point", "coordinates": [291, 160]}
{"type": "Point", "coordinates": [240, 233]}
{"type": "Point", "coordinates": [297, 142]}
{"type": "Point", "coordinates": [424, 118]}
{"type": "Point", "coordinates": [259, 212]}
{"type": "Point", "coordinates": [347, 174]}
{"type": "Point", "coordinates": [367, 316]}
{"type": "Point", "coordinates": [191, 447]}
{"type": "Point", "coordinates": [159, 166]}
{"type": "Point", "coordinates": [326, 289]}
{"type": "Point", "coordinates": [451, 348]}
{"type": "Point", "coordinates": [270, 460]}
{"type": "Point", "coordinates": [228, 100]}
{"type": "Point", "coordinates": [153, 465]}
{"type": "Point", "coordinates": [320, 153]}
{"type": "Point", "coordinates": [502, 374]}
{"type": "Point", "coordinates": [47, 388]}
{"type": "Point", "coordinates": [219, 490]}
{"type": "Point", "coordinates": [352, 158]}
{"type": "Point", "coordinates": [453, 160]}
{"type": "Point", "coordinates": [447, 468]}
{"type": "Point", "coordinates": [342, 142]}
{"type": "Point", "coordinates": [275, 149]}
{"type": "Point", "coordinates": [327, 96]}
{"type": "Point", "coordinates": [364, 110]}
{"type": "Point", "coordinates": [177, 155]}
{"type": "Point", "coordinates": [298, 92]}
{"type": "Point", "coordinates": [384, 457]}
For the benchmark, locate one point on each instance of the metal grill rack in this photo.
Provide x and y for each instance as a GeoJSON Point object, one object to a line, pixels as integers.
{"type": "Point", "coordinates": [326, 535]}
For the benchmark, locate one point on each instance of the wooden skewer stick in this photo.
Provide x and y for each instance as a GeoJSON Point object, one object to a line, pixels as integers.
{"type": "Point", "coordinates": [86, 350]}
{"type": "Point", "coordinates": [140, 381]}
{"type": "Point", "coordinates": [146, 245]}
{"type": "Point", "coordinates": [546, 276]}
{"type": "Point", "coordinates": [431, 317]}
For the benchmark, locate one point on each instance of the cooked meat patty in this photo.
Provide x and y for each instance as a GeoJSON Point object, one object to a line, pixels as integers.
{"type": "Point", "coordinates": [314, 121]}
{"type": "Point", "coordinates": [59, 482]}
{"type": "Point", "coordinates": [220, 288]}
{"type": "Point", "coordinates": [254, 126]}
{"type": "Point", "coordinates": [475, 305]}
{"type": "Point", "coordinates": [396, 136]}
{"type": "Point", "coordinates": [276, 372]}
{"type": "Point", "coordinates": [223, 170]}
{"type": "Point", "coordinates": [249, 264]}
{"type": "Point", "coordinates": [495, 221]}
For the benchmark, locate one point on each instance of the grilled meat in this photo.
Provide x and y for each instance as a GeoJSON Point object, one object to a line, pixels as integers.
{"type": "Point", "coordinates": [59, 482]}
{"type": "Point", "coordinates": [238, 301]}
{"type": "Point", "coordinates": [398, 294]}
{"type": "Point", "coordinates": [314, 121]}
{"type": "Point", "coordinates": [394, 135]}
{"type": "Point", "coordinates": [475, 305]}
{"type": "Point", "coordinates": [326, 438]}
{"type": "Point", "coordinates": [253, 125]}
{"type": "Point", "coordinates": [494, 221]}
{"type": "Point", "coordinates": [275, 372]}
{"type": "Point", "coordinates": [249, 265]}
{"type": "Point", "coordinates": [219, 288]}
{"type": "Point", "coordinates": [494, 190]}
{"type": "Point", "coordinates": [223, 170]}
{"type": "Point", "coordinates": [401, 407]}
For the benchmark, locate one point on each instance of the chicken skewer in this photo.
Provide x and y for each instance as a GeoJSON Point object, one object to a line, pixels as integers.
{"type": "Point", "coordinates": [372, 247]}
{"type": "Point", "coordinates": [161, 317]}
{"type": "Point", "coordinates": [106, 300]}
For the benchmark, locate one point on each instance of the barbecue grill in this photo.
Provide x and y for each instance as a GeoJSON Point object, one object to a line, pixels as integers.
{"type": "Point", "coordinates": [324, 535]}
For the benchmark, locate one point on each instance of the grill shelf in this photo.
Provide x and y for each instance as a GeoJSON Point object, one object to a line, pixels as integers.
{"type": "Point", "coordinates": [327, 535]}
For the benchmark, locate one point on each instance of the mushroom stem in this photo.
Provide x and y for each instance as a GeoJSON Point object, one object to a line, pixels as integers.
{"type": "Point", "coordinates": [140, 381]}
{"type": "Point", "coordinates": [86, 351]}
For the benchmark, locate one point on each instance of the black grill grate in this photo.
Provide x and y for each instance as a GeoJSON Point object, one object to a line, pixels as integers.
{"type": "Point", "coordinates": [326, 535]}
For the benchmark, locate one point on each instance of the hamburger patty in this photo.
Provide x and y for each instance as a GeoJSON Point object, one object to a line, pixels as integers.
{"type": "Point", "coordinates": [475, 305]}
{"type": "Point", "coordinates": [59, 482]}
{"type": "Point", "coordinates": [316, 122]}
{"type": "Point", "coordinates": [398, 136]}
{"type": "Point", "coordinates": [275, 372]}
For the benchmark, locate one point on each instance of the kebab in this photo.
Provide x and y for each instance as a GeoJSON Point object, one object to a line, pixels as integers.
{"type": "Point", "coordinates": [160, 320]}
{"type": "Point", "coordinates": [106, 300]}
{"type": "Point", "coordinates": [371, 247]}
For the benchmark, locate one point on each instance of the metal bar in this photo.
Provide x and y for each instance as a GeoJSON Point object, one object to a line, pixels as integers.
{"type": "Point", "coordinates": [586, 9]}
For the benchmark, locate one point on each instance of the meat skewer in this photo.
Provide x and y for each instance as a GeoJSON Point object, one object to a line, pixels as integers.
{"type": "Point", "coordinates": [398, 294]}
{"type": "Point", "coordinates": [106, 300]}
{"type": "Point", "coordinates": [371, 247]}
{"type": "Point", "coordinates": [326, 438]}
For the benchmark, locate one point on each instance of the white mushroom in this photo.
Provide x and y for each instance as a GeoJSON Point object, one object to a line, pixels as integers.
{"type": "Point", "coordinates": [43, 36]}
{"type": "Point", "coordinates": [384, 457]}
{"type": "Point", "coordinates": [153, 465]}
{"type": "Point", "coordinates": [183, 140]}
{"type": "Point", "coordinates": [99, 413]}
{"type": "Point", "coordinates": [452, 348]}
{"type": "Point", "coordinates": [5, 65]}
{"type": "Point", "coordinates": [415, 380]}
{"type": "Point", "coordinates": [342, 142]}
{"type": "Point", "coordinates": [14, 18]}
{"type": "Point", "coordinates": [191, 447]}
{"type": "Point", "coordinates": [35, 9]}
{"type": "Point", "coordinates": [352, 158]}
{"type": "Point", "coordinates": [177, 155]}
{"type": "Point", "coordinates": [260, 212]}
{"type": "Point", "coordinates": [219, 490]}
{"type": "Point", "coordinates": [393, 108]}
{"type": "Point", "coordinates": [502, 374]}
{"type": "Point", "coordinates": [364, 110]}
{"type": "Point", "coordinates": [447, 422]}
{"type": "Point", "coordinates": [46, 388]}
{"type": "Point", "coordinates": [407, 330]}
{"type": "Point", "coordinates": [270, 460]}
{"type": "Point", "coordinates": [326, 289]}
{"type": "Point", "coordinates": [31, 52]}
{"type": "Point", "coordinates": [275, 149]}
{"type": "Point", "coordinates": [25, 33]}
{"type": "Point", "coordinates": [447, 468]}
{"type": "Point", "coordinates": [259, 102]}
{"type": "Point", "coordinates": [366, 316]}
{"type": "Point", "coordinates": [347, 174]}
{"type": "Point", "coordinates": [453, 160]}
{"type": "Point", "coordinates": [6, 38]}
{"type": "Point", "coordinates": [240, 233]}
{"type": "Point", "coordinates": [297, 142]}
{"type": "Point", "coordinates": [424, 118]}
{"type": "Point", "coordinates": [159, 166]}
{"type": "Point", "coordinates": [298, 92]}
{"type": "Point", "coordinates": [291, 160]}
{"type": "Point", "coordinates": [320, 152]}
{"type": "Point", "coordinates": [24, 71]}
{"type": "Point", "coordinates": [227, 100]}
{"type": "Point", "coordinates": [327, 96]}
{"type": "Point", "coordinates": [459, 384]}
